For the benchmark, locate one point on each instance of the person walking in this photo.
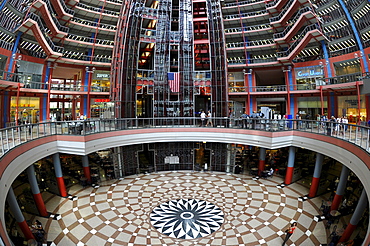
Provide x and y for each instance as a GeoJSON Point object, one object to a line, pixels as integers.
{"type": "Point", "coordinates": [209, 119]}
{"type": "Point", "coordinates": [289, 231]}
{"type": "Point", "coordinates": [203, 117]}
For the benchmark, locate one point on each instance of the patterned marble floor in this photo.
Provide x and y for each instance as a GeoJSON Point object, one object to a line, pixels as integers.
{"type": "Point", "coordinates": [130, 211]}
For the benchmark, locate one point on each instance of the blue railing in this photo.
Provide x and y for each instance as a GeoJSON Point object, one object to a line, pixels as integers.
{"type": "Point", "coordinates": [13, 136]}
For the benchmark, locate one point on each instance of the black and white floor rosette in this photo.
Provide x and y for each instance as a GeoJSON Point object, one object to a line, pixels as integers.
{"type": "Point", "coordinates": [187, 218]}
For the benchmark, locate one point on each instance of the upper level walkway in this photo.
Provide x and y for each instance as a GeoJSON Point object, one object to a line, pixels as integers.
{"type": "Point", "coordinates": [11, 137]}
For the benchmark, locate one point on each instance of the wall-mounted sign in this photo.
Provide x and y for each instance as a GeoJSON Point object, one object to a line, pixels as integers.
{"type": "Point", "coordinates": [309, 72]}
{"type": "Point", "coordinates": [102, 75]}
{"type": "Point", "coordinates": [101, 100]}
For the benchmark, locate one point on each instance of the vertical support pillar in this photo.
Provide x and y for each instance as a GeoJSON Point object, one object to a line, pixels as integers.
{"type": "Point", "coordinates": [356, 217]}
{"type": "Point", "coordinates": [59, 175]}
{"type": "Point", "coordinates": [14, 51]}
{"type": "Point", "coordinates": [290, 168]}
{"type": "Point", "coordinates": [261, 162]}
{"type": "Point", "coordinates": [229, 156]}
{"type": "Point", "coordinates": [316, 175]}
{"type": "Point", "coordinates": [36, 191]}
{"type": "Point", "coordinates": [340, 189]}
{"type": "Point", "coordinates": [86, 168]}
{"type": "Point", "coordinates": [14, 207]}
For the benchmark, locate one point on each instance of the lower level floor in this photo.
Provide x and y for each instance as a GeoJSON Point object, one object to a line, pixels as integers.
{"type": "Point", "coordinates": [188, 208]}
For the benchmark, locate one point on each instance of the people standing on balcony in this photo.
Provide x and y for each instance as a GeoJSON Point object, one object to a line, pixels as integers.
{"type": "Point", "coordinates": [330, 126]}
{"type": "Point", "coordinates": [308, 117]}
{"type": "Point", "coordinates": [254, 119]}
{"type": "Point", "coordinates": [338, 126]}
{"type": "Point", "coordinates": [245, 118]}
{"type": "Point", "coordinates": [209, 119]}
{"type": "Point", "coordinates": [345, 124]}
{"type": "Point", "coordinates": [202, 118]}
{"type": "Point", "coordinates": [298, 120]}
{"type": "Point", "coordinates": [324, 120]}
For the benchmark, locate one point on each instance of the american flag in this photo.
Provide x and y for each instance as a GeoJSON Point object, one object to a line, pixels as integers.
{"type": "Point", "coordinates": [174, 81]}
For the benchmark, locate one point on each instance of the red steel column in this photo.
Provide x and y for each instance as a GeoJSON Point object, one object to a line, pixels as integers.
{"type": "Point", "coordinates": [261, 162]}
{"type": "Point", "coordinates": [340, 189]}
{"type": "Point", "coordinates": [290, 168]}
{"type": "Point", "coordinates": [316, 175]}
{"type": "Point", "coordinates": [36, 191]}
{"type": "Point", "coordinates": [14, 207]}
{"type": "Point", "coordinates": [59, 175]}
{"type": "Point", "coordinates": [356, 217]}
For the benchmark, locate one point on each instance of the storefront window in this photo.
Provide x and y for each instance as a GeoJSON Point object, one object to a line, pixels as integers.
{"type": "Point", "coordinates": [347, 67]}
{"type": "Point", "coordinates": [348, 106]}
{"type": "Point", "coordinates": [102, 108]}
{"type": "Point", "coordinates": [236, 82]}
{"type": "Point", "coordinates": [311, 106]}
{"type": "Point", "coordinates": [306, 77]}
{"type": "Point", "coordinates": [28, 110]}
{"type": "Point", "coordinates": [100, 81]}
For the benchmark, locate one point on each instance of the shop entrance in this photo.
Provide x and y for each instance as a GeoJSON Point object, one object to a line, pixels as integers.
{"type": "Point", "coordinates": [144, 106]}
{"type": "Point", "coordinates": [277, 106]}
{"type": "Point", "coordinates": [202, 158]}
{"type": "Point", "coordinates": [202, 102]}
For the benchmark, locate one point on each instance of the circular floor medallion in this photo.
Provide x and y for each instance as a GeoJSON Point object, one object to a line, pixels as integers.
{"type": "Point", "coordinates": [187, 218]}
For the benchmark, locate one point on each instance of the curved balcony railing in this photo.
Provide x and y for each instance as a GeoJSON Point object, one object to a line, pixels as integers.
{"type": "Point", "coordinates": [82, 57]}
{"type": "Point", "coordinates": [248, 28]}
{"type": "Point", "coordinates": [242, 61]}
{"type": "Point", "coordinates": [324, 2]}
{"type": "Point", "coordinates": [344, 51]}
{"type": "Point", "coordinates": [98, 10]}
{"type": "Point", "coordinates": [242, 3]}
{"type": "Point", "coordinates": [297, 41]}
{"type": "Point", "coordinates": [93, 24]}
{"type": "Point", "coordinates": [6, 45]}
{"type": "Point", "coordinates": [13, 136]}
{"type": "Point", "coordinates": [294, 19]}
{"type": "Point", "coordinates": [250, 43]}
{"type": "Point", "coordinates": [65, 8]}
{"type": "Point", "coordinates": [272, 88]}
{"type": "Point", "coordinates": [242, 15]}
{"type": "Point", "coordinates": [283, 12]}
{"type": "Point", "coordinates": [90, 40]}
{"type": "Point", "coordinates": [33, 81]}
{"type": "Point", "coordinates": [115, 1]}
{"type": "Point", "coordinates": [56, 21]}
{"type": "Point", "coordinates": [343, 79]}
{"type": "Point", "coordinates": [18, 5]}
{"type": "Point", "coordinates": [7, 22]}
{"type": "Point", "coordinates": [51, 44]}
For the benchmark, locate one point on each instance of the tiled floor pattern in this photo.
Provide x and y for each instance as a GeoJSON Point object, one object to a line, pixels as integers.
{"type": "Point", "coordinates": [256, 211]}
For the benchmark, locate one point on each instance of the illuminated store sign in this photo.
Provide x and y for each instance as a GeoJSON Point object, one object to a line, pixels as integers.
{"type": "Point", "coordinates": [309, 72]}
{"type": "Point", "coordinates": [102, 75]}
{"type": "Point", "coordinates": [101, 100]}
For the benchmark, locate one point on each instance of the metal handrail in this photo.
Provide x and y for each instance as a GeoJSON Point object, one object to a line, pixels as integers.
{"type": "Point", "coordinates": [298, 40]}
{"type": "Point", "coordinates": [98, 10]}
{"type": "Point", "coordinates": [51, 44]}
{"type": "Point", "coordinates": [283, 12]}
{"type": "Point", "coordinates": [294, 19]}
{"type": "Point", "coordinates": [90, 40]}
{"type": "Point", "coordinates": [347, 78]}
{"type": "Point", "coordinates": [26, 81]}
{"type": "Point", "coordinates": [93, 24]}
{"type": "Point", "coordinates": [11, 137]}
{"type": "Point", "coordinates": [242, 15]}
{"type": "Point", "coordinates": [66, 9]}
{"type": "Point", "coordinates": [242, 3]}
